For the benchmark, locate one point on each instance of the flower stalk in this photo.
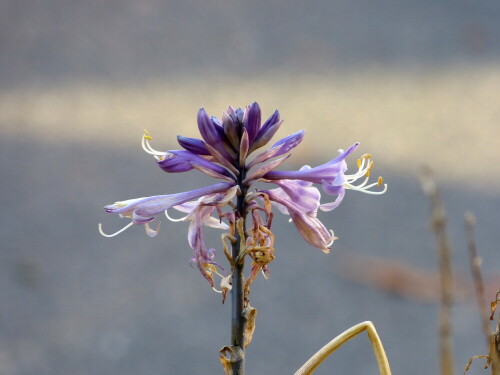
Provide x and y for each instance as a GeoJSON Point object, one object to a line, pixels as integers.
{"type": "Point", "coordinates": [238, 319]}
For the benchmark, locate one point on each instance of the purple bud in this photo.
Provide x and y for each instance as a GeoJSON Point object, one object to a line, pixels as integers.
{"type": "Point", "coordinates": [196, 146]}
{"type": "Point", "coordinates": [232, 129]}
{"type": "Point", "coordinates": [239, 115]}
{"type": "Point", "coordinates": [207, 128]}
{"type": "Point", "coordinates": [251, 120]}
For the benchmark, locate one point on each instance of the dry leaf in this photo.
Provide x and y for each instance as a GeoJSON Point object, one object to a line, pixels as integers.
{"type": "Point", "coordinates": [228, 355]}
{"type": "Point", "coordinates": [250, 314]}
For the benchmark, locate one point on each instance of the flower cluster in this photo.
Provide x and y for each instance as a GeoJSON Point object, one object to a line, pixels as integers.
{"type": "Point", "coordinates": [223, 153]}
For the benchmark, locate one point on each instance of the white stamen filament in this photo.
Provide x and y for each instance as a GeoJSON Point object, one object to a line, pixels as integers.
{"type": "Point", "coordinates": [365, 189]}
{"type": "Point", "coordinates": [146, 146]}
{"type": "Point", "coordinates": [116, 233]}
{"type": "Point", "coordinates": [333, 238]}
{"type": "Point", "coordinates": [175, 220]}
{"type": "Point", "coordinates": [364, 168]}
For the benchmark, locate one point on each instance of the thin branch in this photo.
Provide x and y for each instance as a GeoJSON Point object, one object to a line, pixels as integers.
{"type": "Point", "coordinates": [438, 224]}
{"type": "Point", "coordinates": [475, 267]}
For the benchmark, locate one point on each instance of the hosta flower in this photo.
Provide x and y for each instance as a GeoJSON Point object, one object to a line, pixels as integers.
{"type": "Point", "coordinates": [225, 152]}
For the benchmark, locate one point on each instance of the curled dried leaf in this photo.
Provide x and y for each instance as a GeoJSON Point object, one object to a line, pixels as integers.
{"type": "Point", "coordinates": [250, 313]}
{"type": "Point", "coordinates": [229, 355]}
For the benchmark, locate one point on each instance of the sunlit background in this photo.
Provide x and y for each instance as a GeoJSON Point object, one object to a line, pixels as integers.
{"type": "Point", "coordinates": [417, 83]}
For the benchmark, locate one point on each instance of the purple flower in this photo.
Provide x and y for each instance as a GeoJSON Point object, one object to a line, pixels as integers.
{"type": "Point", "coordinates": [225, 151]}
{"type": "Point", "coordinates": [332, 177]}
{"type": "Point", "coordinates": [144, 210]}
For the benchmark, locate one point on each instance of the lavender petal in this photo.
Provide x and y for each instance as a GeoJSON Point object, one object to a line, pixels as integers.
{"type": "Point", "coordinates": [193, 145]}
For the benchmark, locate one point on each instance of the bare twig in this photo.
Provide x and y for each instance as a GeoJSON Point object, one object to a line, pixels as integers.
{"type": "Point", "coordinates": [438, 224]}
{"type": "Point", "coordinates": [495, 342]}
{"type": "Point", "coordinates": [475, 266]}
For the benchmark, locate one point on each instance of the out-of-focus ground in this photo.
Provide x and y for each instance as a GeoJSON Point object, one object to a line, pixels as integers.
{"type": "Point", "coordinates": [415, 82]}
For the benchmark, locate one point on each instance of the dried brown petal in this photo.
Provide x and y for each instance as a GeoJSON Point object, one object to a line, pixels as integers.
{"type": "Point", "coordinates": [250, 314]}
{"type": "Point", "coordinates": [229, 355]}
{"type": "Point", "coordinates": [493, 308]}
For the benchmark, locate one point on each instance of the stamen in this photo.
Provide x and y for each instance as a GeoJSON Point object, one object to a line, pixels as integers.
{"type": "Point", "coordinates": [146, 146]}
{"type": "Point", "coordinates": [147, 135]}
{"type": "Point", "coordinates": [175, 220]}
{"type": "Point", "coordinates": [364, 171]}
{"type": "Point", "coordinates": [333, 238]}
{"type": "Point", "coordinates": [116, 233]}
{"type": "Point", "coordinates": [369, 169]}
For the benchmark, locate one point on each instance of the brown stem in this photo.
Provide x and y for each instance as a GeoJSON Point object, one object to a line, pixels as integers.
{"type": "Point", "coordinates": [438, 223]}
{"type": "Point", "coordinates": [475, 266]}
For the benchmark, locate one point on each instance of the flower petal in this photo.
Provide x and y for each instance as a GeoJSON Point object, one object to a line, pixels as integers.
{"type": "Point", "coordinates": [196, 146]}
{"type": "Point", "coordinates": [267, 131]}
{"type": "Point", "coordinates": [176, 161]}
{"type": "Point", "coordinates": [261, 170]}
{"type": "Point", "coordinates": [251, 120]}
{"type": "Point", "coordinates": [306, 197]}
{"type": "Point", "coordinates": [212, 133]}
{"type": "Point", "coordinates": [142, 210]}
{"type": "Point", "coordinates": [281, 147]}
{"type": "Point", "coordinates": [308, 225]}
{"type": "Point", "coordinates": [325, 172]}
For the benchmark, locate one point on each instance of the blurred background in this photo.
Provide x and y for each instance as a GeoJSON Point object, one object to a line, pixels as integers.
{"type": "Point", "coordinates": [416, 82]}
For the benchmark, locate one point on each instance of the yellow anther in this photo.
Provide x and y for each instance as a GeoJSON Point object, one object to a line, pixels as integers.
{"type": "Point", "coordinates": [380, 181]}
{"type": "Point", "coordinates": [369, 169]}
{"type": "Point", "coordinates": [147, 135]}
{"type": "Point", "coordinates": [359, 163]}
{"type": "Point", "coordinates": [366, 156]}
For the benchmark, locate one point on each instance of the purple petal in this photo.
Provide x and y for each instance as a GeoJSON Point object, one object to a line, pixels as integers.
{"type": "Point", "coordinates": [207, 128]}
{"type": "Point", "coordinates": [308, 225]}
{"type": "Point", "coordinates": [251, 120]}
{"type": "Point", "coordinates": [142, 210]}
{"type": "Point", "coordinates": [232, 129]}
{"type": "Point", "coordinates": [326, 172]}
{"type": "Point", "coordinates": [221, 159]}
{"type": "Point", "coordinates": [305, 197]}
{"type": "Point", "coordinates": [261, 170]}
{"type": "Point", "coordinates": [181, 161]}
{"type": "Point", "coordinates": [332, 205]}
{"type": "Point", "coordinates": [266, 137]}
{"type": "Point", "coordinates": [281, 147]}
{"type": "Point", "coordinates": [213, 134]}
{"type": "Point", "coordinates": [267, 131]}
{"type": "Point", "coordinates": [244, 144]}
{"type": "Point", "coordinates": [271, 121]}
{"type": "Point", "coordinates": [193, 145]}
